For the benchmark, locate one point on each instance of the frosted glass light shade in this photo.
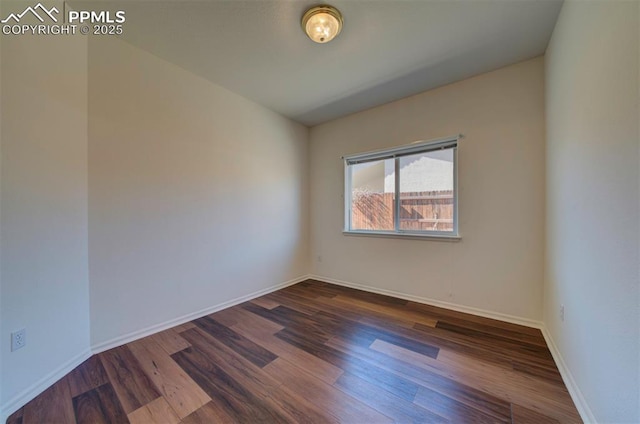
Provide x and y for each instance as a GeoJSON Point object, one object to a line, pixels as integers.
{"type": "Point", "coordinates": [322, 23]}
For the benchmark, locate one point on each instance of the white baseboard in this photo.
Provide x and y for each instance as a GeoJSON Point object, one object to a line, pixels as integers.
{"type": "Point", "coordinates": [138, 334]}
{"type": "Point", "coordinates": [35, 389]}
{"type": "Point", "coordinates": [576, 395]}
{"type": "Point", "coordinates": [578, 399]}
{"type": "Point", "coordinates": [41, 385]}
{"type": "Point", "coordinates": [446, 305]}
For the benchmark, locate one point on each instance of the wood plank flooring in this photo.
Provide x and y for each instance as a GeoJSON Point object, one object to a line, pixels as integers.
{"type": "Point", "coordinates": [317, 353]}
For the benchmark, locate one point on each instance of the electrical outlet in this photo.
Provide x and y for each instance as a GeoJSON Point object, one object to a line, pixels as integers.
{"type": "Point", "coordinates": [18, 339]}
{"type": "Point", "coordinates": [562, 313]}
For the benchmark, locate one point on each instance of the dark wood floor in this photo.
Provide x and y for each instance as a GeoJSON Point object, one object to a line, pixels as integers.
{"type": "Point", "coordinates": [316, 353]}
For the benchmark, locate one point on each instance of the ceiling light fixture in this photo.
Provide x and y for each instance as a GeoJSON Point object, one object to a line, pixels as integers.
{"type": "Point", "coordinates": [322, 23]}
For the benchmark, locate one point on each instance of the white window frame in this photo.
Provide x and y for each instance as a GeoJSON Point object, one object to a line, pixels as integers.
{"type": "Point", "coordinates": [396, 153]}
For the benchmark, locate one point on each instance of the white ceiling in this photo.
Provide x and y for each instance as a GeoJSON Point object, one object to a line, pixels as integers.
{"type": "Point", "coordinates": [388, 49]}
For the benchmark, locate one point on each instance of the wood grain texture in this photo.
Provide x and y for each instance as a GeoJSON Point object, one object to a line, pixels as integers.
{"type": "Point", "coordinates": [312, 364]}
{"type": "Point", "coordinates": [397, 311]}
{"type": "Point", "coordinates": [156, 411]}
{"type": "Point", "coordinates": [99, 406]}
{"type": "Point", "coordinates": [233, 367]}
{"type": "Point", "coordinates": [87, 376]}
{"type": "Point", "coordinates": [53, 405]}
{"type": "Point", "coordinates": [132, 386]}
{"type": "Point", "coordinates": [245, 347]}
{"type": "Point", "coordinates": [317, 353]}
{"type": "Point", "coordinates": [456, 411]}
{"type": "Point", "coordinates": [184, 327]}
{"type": "Point", "coordinates": [295, 301]}
{"type": "Point", "coordinates": [429, 378]}
{"type": "Point", "coordinates": [341, 406]}
{"type": "Point", "coordinates": [178, 389]}
{"type": "Point", "coordinates": [215, 411]}
{"type": "Point", "coordinates": [170, 341]}
{"type": "Point", "coordinates": [399, 409]}
{"type": "Point", "coordinates": [265, 302]}
{"type": "Point", "coordinates": [522, 415]}
{"type": "Point", "coordinates": [240, 403]}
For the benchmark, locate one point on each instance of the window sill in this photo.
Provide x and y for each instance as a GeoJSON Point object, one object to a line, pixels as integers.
{"type": "Point", "coordinates": [435, 237]}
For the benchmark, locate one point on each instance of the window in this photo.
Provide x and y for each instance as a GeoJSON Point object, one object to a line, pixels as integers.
{"type": "Point", "coordinates": [408, 190]}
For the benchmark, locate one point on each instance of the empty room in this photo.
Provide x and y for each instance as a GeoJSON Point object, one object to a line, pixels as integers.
{"type": "Point", "coordinates": [362, 211]}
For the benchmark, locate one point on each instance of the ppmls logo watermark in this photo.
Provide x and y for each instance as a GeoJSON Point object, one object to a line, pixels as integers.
{"type": "Point", "coordinates": [53, 22]}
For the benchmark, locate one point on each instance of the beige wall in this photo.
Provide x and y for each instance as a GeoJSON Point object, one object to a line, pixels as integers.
{"type": "Point", "coordinates": [497, 266]}
{"type": "Point", "coordinates": [196, 195]}
{"type": "Point", "coordinates": [115, 159]}
{"type": "Point", "coordinates": [592, 203]}
{"type": "Point", "coordinates": [44, 228]}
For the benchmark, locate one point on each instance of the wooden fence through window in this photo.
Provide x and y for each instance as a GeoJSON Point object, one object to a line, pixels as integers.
{"type": "Point", "coordinates": [419, 211]}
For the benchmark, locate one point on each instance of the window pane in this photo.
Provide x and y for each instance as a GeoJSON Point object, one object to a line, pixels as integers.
{"type": "Point", "coordinates": [372, 192]}
{"type": "Point", "coordinates": [426, 191]}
